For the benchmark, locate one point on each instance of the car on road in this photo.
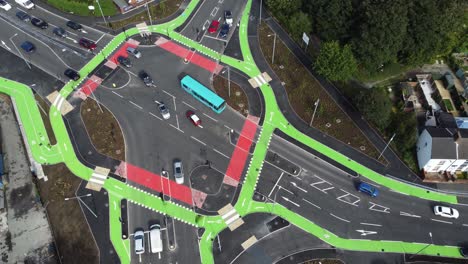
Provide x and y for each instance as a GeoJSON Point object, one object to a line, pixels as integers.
{"type": "Point", "coordinates": [60, 32]}
{"type": "Point", "coordinates": [139, 238]}
{"type": "Point", "coordinates": [74, 25]}
{"type": "Point", "coordinates": [25, 3]}
{"type": "Point", "coordinates": [23, 16]}
{"type": "Point", "coordinates": [164, 111]}
{"type": "Point", "coordinates": [72, 74]}
{"type": "Point", "coordinates": [28, 47]}
{"type": "Point", "coordinates": [228, 17]}
{"type": "Point", "coordinates": [5, 5]}
{"type": "Point", "coordinates": [445, 211]}
{"type": "Point", "coordinates": [368, 189]}
{"type": "Point", "coordinates": [178, 172]}
{"type": "Point", "coordinates": [39, 23]}
{"type": "Point", "coordinates": [213, 26]}
{"type": "Point", "coordinates": [87, 44]}
{"type": "Point", "coordinates": [193, 118]}
{"type": "Point", "coordinates": [464, 252]}
{"type": "Point", "coordinates": [134, 52]}
{"type": "Point", "coordinates": [146, 78]}
{"type": "Point", "coordinates": [224, 30]}
{"type": "Point", "coordinates": [124, 61]}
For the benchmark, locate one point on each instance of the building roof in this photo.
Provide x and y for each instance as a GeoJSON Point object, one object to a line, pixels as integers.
{"type": "Point", "coordinates": [463, 144]}
{"type": "Point", "coordinates": [443, 144]}
{"type": "Point", "coordinates": [445, 120]}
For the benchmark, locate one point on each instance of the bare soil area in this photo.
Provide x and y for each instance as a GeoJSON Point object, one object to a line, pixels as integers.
{"type": "Point", "coordinates": [238, 100]}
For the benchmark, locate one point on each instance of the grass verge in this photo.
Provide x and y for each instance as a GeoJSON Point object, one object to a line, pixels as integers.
{"type": "Point", "coordinates": [103, 129]}
{"type": "Point", "coordinates": [80, 7]}
{"type": "Point", "coordinates": [303, 90]}
{"type": "Point", "coordinates": [44, 109]}
{"type": "Point", "coordinates": [238, 100]}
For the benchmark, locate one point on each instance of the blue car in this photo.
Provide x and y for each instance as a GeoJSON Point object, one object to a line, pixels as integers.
{"type": "Point", "coordinates": [28, 46]}
{"type": "Point", "coordinates": [369, 189]}
{"type": "Point", "coordinates": [224, 30]}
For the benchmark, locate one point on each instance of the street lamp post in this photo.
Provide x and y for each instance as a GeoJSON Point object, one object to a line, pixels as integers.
{"type": "Point", "coordinates": [102, 13]}
{"type": "Point", "coordinates": [432, 242]}
{"type": "Point", "coordinates": [229, 82]}
{"type": "Point", "coordinates": [79, 200]}
{"type": "Point", "coordinates": [274, 46]}
{"type": "Point", "coordinates": [386, 146]}
{"type": "Point", "coordinates": [149, 15]}
{"type": "Point", "coordinates": [260, 17]}
{"type": "Point", "coordinates": [315, 110]}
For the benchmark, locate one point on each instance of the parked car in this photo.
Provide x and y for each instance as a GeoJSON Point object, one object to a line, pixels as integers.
{"type": "Point", "coordinates": [224, 30]}
{"type": "Point", "coordinates": [164, 111]}
{"type": "Point", "coordinates": [87, 44]}
{"type": "Point", "coordinates": [28, 47]}
{"type": "Point", "coordinates": [445, 211]}
{"type": "Point", "coordinates": [25, 3]}
{"type": "Point", "coordinates": [74, 25]}
{"type": "Point", "coordinates": [145, 78]}
{"type": "Point", "coordinates": [228, 17]}
{"type": "Point", "coordinates": [464, 252]}
{"type": "Point", "coordinates": [124, 61]}
{"type": "Point", "coordinates": [72, 74]}
{"type": "Point", "coordinates": [139, 238]}
{"type": "Point", "coordinates": [193, 118]}
{"type": "Point", "coordinates": [60, 32]}
{"type": "Point", "coordinates": [368, 189]}
{"type": "Point", "coordinates": [213, 26]}
{"type": "Point", "coordinates": [23, 16]}
{"type": "Point", "coordinates": [178, 172]}
{"type": "Point", "coordinates": [134, 52]}
{"type": "Point", "coordinates": [39, 23]}
{"type": "Point", "coordinates": [5, 5]}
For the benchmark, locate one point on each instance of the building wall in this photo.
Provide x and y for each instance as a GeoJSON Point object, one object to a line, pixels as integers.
{"type": "Point", "coordinates": [424, 149]}
{"type": "Point", "coordinates": [458, 165]}
{"type": "Point", "coordinates": [438, 165]}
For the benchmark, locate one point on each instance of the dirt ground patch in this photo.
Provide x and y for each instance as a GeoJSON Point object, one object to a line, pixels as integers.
{"type": "Point", "coordinates": [103, 130]}
{"type": "Point", "coordinates": [69, 227]}
{"type": "Point", "coordinates": [303, 90]}
{"type": "Point", "coordinates": [238, 100]}
{"type": "Point", "coordinates": [44, 109]}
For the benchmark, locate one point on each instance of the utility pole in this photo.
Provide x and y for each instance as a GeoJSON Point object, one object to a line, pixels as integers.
{"type": "Point", "coordinates": [260, 17]}
{"type": "Point", "coordinates": [432, 242]}
{"type": "Point", "coordinates": [149, 14]}
{"type": "Point", "coordinates": [102, 13]}
{"type": "Point", "coordinates": [386, 146]}
{"type": "Point", "coordinates": [315, 110]}
{"type": "Point", "coordinates": [274, 46]}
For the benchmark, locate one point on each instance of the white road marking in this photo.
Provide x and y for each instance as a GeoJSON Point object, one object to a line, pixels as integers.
{"type": "Point", "coordinates": [199, 141]}
{"type": "Point", "coordinates": [441, 221]}
{"type": "Point", "coordinates": [295, 185]}
{"type": "Point", "coordinates": [464, 224]}
{"type": "Point", "coordinates": [117, 94]}
{"type": "Point", "coordinates": [379, 208]}
{"type": "Point", "coordinates": [72, 39]}
{"type": "Point", "coordinates": [188, 105]}
{"type": "Point", "coordinates": [356, 198]}
{"type": "Point", "coordinates": [410, 215]}
{"type": "Point", "coordinates": [168, 93]}
{"type": "Point", "coordinates": [342, 219]}
{"type": "Point", "coordinates": [365, 232]}
{"type": "Point", "coordinates": [214, 11]}
{"type": "Point", "coordinates": [287, 199]}
{"type": "Point", "coordinates": [326, 189]}
{"type": "Point", "coordinates": [220, 153]}
{"type": "Point", "coordinates": [309, 202]}
{"type": "Point", "coordinates": [369, 224]}
{"type": "Point", "coordinates": [100, 38]}
{"type": "Point", "coordinates": [136, 105]}
{"type": "Point", "coordinates": [155, 116]}
{"type": "Point", "coordinates": [282, 188]}
{"type": "Point", "coordinates": [210, 117]}
{"type": "Point", "coordinates": [177, 121]}
{"type": "Point", "coordinates": [275, 184]}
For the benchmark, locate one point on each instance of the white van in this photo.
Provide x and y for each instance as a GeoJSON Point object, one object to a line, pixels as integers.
{"type": "Point", "coordinates": [25, 3]}
{"type": "Point", "coordinates": [155, 239]}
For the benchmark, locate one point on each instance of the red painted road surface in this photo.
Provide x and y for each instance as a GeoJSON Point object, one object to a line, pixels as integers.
{"type": "Point", "coordinates": [122, 51]}
{"type": "Point", "coordinates": [158, 183]}
{"type": "Point", "coordinates": [90, 85]}
{"type": "Point", "coordinates": [241, 151]}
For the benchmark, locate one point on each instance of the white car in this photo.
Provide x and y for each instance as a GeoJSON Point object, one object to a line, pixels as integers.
{"type": "Point", "coordinates": [5, 5]}
{"type": "Point", "coordinates": [25, 3]}
{"type": "Point", "coordinates": [178, 172]}
{"type": "Point", "coordinates": [446, 211]}
{"type": "Point", "coordinates": [139, 238]}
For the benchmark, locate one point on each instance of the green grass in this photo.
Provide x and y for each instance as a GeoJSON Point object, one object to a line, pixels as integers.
{"type": "Point", "coordinates": [80, 7]}
{"type": "Point", "coordinates": [448, 105]}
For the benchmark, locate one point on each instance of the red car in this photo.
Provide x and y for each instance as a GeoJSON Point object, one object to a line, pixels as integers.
{"type": "Point", "coordinates": [193, 118]}
{"type": "Point", "coordinates": [87, 44]}
{"type": "Point", "coordinates": [213, 26]}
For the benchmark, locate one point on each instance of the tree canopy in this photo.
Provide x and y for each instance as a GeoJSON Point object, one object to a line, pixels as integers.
{"type": "Point", "coordinates": [336, 63]}
{"type": "Point", "coordinates": [375, 106]}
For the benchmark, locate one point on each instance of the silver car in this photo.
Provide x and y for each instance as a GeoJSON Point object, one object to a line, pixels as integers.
{"type": "Point", "coordinates": [139, 239]}
{"type": "Point", "coordinates": [164, 111]}
{"type": "Point", "coordinates": [178, 172]}
{"type": "Point", "coordinates": [134, 52]}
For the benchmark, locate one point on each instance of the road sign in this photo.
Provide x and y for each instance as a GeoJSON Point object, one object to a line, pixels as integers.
{"type": "Point", "coordinates": [305, 38]}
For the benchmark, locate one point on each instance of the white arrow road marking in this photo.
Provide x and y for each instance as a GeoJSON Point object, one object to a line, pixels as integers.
{"type": "Point", "coordinates": [271, 115]}
{"type": "Point", "coordinates": [3, 42]}
{"type": "Point", "coordinates": [287, 199]}
{"type": "Point", "coordinates": [365, 232]}
{"type": "Point", "coordinates": [72, 39]}
{"type": "Point", "coordinates": [410, 215]}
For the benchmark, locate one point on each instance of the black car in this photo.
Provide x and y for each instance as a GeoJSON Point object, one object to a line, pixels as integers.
{"type": "Point", "coordinates": [464, 252]}
{"type": "Point", "coordinates": [39, 23]}
{"type": "Point", "coordinates": [72, 74]}
{"type": "Point", "coordinates": [146, 78]}
{"type": "Point", "coordinates": [224, 30]}
{"type": "Point", "coordinates": [60, 32]}
{"type": "Point", "coordinates": [23, 16]}
{"type": "Point", "coordinates": [124, 61]}
{"type": "Point", "coordinates": [74, 25]}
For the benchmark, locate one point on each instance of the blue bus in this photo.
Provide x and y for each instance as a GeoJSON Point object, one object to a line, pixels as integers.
{"type": "Point", "coordinates": [203, 94]}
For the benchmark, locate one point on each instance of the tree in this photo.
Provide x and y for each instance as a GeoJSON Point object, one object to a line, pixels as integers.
{"type": "Point", "coordinates": [375, 105]}
{"type": "Point", "coordinates": [298, 23]}
{"type": "Point", "coordinates": [336, 63]}
{"type": "Point", "coordinates": [283, 8]}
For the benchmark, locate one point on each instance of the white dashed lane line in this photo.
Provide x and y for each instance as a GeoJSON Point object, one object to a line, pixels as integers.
{"type": "Point", "coordinates": [342, 219]}
{"type": "Point", "coordinates": [136, 105]}
{"type": "Point", "coordinates": [199, 141]}
{"type": "Point", "coordinates": [441, 221]}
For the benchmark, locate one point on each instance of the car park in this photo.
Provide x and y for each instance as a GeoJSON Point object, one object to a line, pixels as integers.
{"type": "Point", "coordinates": [39, 23]}
{"type": "Point", "coordinates": [28, 47]}
{"type": "Point", "coordinates": [87, 44]}
{"type": "Point", "coordinates": [25, 3]}
{"type": "Point", "coordinates": [193, 118]}
{"type": "Point", "coordinates": [368, 189]}
{"type": "Point", "coordinates": [445, 211]}
{"type": "Point", "coordinates": [213, 26]}
{"type": "Point", "coordinates": [72, 74]}
{"type": "Point", "coordinates": [224, 30]}
{"type": "Point", "coordinates": [23, 16]}
{"type": "Point", "coordinates": [134, 52]}
{"type": "Point", "coordinates": [228, 17]}
{"type": "Point", "coordinates": [5, 5]}
{"type": "Point", "coordinates": [139, 239]}
{"type": "Point", "coordinates": [74, 25]}
{"type": "Point", "coordinates": [124, 61]}
{"type": "Point", "coordinates": [60, 32]}
{"type": "Point", "coordinates": [145, 78]}
{"type": "Point", "coordinates": [178, 172]}
{"type": "Point", "coordinates": [164, 111]}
